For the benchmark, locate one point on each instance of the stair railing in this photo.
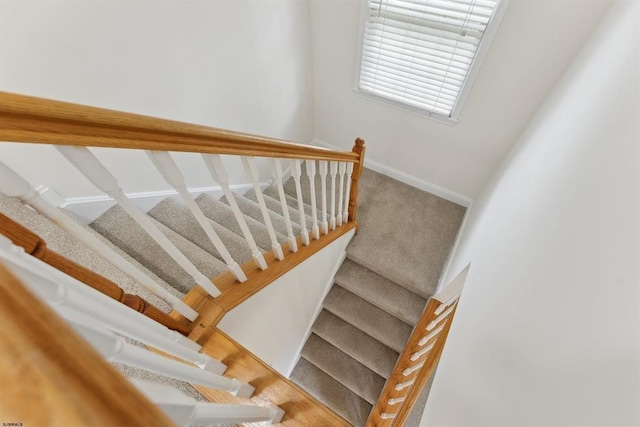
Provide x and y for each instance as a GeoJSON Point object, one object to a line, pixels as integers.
{"type": "Point", "coordinates": [418, 361]}
{"type": "Point", "coordinates": [51, 356]}
{"type": "Point", "coordinates": [73, 128]}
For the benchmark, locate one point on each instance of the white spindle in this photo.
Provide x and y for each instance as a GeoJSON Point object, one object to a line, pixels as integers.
{"type": "Point", "coordinates": [14, 185]}
{"type": "Point", "coordinates": [440, 318]}
{"type": "Point", "coordinates": [323, 180]}
{"type": "Point", "coordinates": [446, 304]}
{"type": "Point", "coordinates": [219, 174]}
{"type": "Point", "coordinates": [418, 354]}
{"type": "Point", "coordinates": [311, 173]}
{"type": "Point", "coordinates": [74, 300]}
{"type": "Point", "coordinates": [276, 172]}
{"type": "Point", "coordinates": [296, 172]}
{"type": "Point", "coordinates": [402, 386]}
{"type": "Point", "coordinates": [412, 369]}
{"type": "Point", "coordinates": [171, 173]}
{"type": "Point", "coordinates": [431, 335]}
{"type": "Point", "coordinates": [95, 172]}
{"type": "Point", "coordinates": [395, 401]}
{"type": "Point", "coordinates": [345, 212]}
{"type": "Point", "coordinates": [341, 169]}
{"type": "Point", "coordinates": [116, 349]}
{"type": "Point", "coordinates": [184, 410]}
{"type": "Point", "coordinates": [251, 169]}
{"type": "Point", "coordinates": [333, 170]}
{"type": "Point", "coordinates": [386, 416]}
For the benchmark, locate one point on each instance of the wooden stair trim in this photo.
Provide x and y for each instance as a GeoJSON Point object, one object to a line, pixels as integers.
{"type": "Point", "coordinates": [44, 121]}
{"type": "Point", "coordinates": [272, 388]}
{"type": "Point", "coordinates": [52, 377]}
{"type": "Point", "coordinates": [421, 376]}
{"type": "Point", "coordinates": [37, 247]}
{"type": "Point", "coordinates": [212, 310]}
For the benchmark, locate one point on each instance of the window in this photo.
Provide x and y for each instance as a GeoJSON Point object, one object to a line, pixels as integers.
{"type": "Point", "coordinates": [424, 53]}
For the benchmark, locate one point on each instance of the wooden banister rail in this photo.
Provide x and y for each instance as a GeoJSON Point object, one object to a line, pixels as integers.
{"type": "Point", "coordinates": [37, 247]}
{"type": "Point", "coordinates": [411, 374]}
{"type": "Point", "coordinates": [51, 377]}
{"type": "Point", "coordinates": [43, 121]}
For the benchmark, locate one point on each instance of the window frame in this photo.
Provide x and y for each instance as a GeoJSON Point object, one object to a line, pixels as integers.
{"type": "Point", "coordinates": [476, 65]}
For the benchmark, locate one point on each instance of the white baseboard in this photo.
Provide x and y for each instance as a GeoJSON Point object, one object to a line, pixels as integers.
{"type": "Point", "coordinates": [421, 184]}
{"type": "Point", "coordinates": [88, 209]}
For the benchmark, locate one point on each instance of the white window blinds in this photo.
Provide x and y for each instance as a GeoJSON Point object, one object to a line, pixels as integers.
{"type": "Point", "coordinates": [420, 52]}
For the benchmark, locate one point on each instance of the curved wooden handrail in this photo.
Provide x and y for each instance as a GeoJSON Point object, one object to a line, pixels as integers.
{"type": "Point", "coordinates": [52, 377]}
{"type": "Point", "coordinates": [37, 120]}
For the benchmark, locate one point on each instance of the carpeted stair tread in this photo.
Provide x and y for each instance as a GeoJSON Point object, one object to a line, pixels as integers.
{"type": "Point", "coordinates": [376, 322]}
{"type": "Point", "coordinates": [117, 226]}
{"type": "Point", "coordinates": [343, 368]}
{"type": "Point", "coordinates": [293, 203]}
{"type": "Point", "coordinates": [252, 209]}
{"type": "Point", "coordinates": [339, 398]}
{"type": "Point", "coordinates": [179, 218]}
{"type": "Point", "coordinates": [274, 205]}
{"type": "Point", "coordinates": [357, 344]}
{"type": "Point", "coordinates": [60, 241]}
{"type": "Point", "coordinates": [405, 234]}
{"type": "Point", "coordinates": [222, 214]}
{"type": "Point", "coordinates": [290, 188]}
{"type": "Point", "coordinates": [395, 300]}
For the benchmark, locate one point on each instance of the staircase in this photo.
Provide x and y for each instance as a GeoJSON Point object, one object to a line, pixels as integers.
{"type": "Point", "coordinates": [379, 294]}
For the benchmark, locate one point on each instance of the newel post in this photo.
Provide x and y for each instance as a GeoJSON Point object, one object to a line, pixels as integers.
{"type": "Point", "coordinates": [359, 149]}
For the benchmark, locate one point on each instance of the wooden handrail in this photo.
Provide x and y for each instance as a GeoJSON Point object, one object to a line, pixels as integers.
{"type": "Point", "coordinates": [36, 120]}
{"type": "Point", "coordinates": [37, 247]}
{"type": "Point", "coordinates": [51, 377]}
{"type": "Point", "coordinates": [410, 394]}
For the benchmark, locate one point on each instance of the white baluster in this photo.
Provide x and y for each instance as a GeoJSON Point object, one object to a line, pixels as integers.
{"type": "Point", "coordinates": [412, 369]}
{"type": "Point", "coordinates": [402, 386]}
{"type": "Point", "coordinates": [333, 170]}
{"type": "Point", "coordinates": [170, 172]}
{"type": "Point", "coordinates": [341, 169]}
{"type": "Point", "coordinates": [116, 349]}
{"type": "Point", "coordinates": [418, 354]}
{"type": "Point", "coordinates": [395, 401]}
{"type": "Point", "coordinates": [95, 172]}
{"type": "Point", "coordinates": [251, 169]}
{"type": "Point", "coordinates": [446, 304]}
{"type": "Point", "coordinates": [440, 318]}
{"type": "Point", "coordinates": [296, 172]}
{"type": "Point", "coordinates": [311, 173]}
{"type": "Point", "coordinates": [345, 212]}
{"type": "Point", "coordinates": [433, 333]}
{"type": "Point", "coordinates": [276, 172]}
{"type": "Point", "coordinates": [74, 300]}
{"type": "Point", "coordinates": [386, 416]}
{"type": "Point", "coordinates": [14, 185]}
{"type": "Point", "coordinates": [184, 410]}
{"type": "Point", "coordinates": [323, 179]}
{"type": "Point", "coordinates": [219, 174]}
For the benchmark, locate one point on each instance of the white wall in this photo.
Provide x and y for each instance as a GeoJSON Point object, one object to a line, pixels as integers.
{"type": "Point", "coordinates": [275, 323]}
{"type": "Point", "coordinates": [533, 46]}
{"type": "Point", "coordinates": [547, 330]}
{"type": "Point", "coordinates": [238, 64]}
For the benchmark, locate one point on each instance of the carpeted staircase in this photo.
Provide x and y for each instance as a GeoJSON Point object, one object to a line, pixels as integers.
{"type": "Point", "coordinates": [393, 266]}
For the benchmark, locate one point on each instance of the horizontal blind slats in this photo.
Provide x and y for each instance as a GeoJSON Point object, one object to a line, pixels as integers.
{"type": "Point", "coordinates": [420, 52]}
{"type": "Point", "coordinates": [447, 90]}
